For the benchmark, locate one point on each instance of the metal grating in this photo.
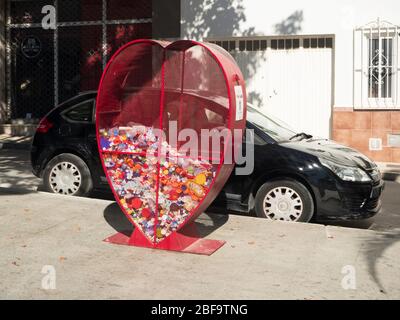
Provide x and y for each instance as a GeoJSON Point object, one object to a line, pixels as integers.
{"type": "Point", "coordinates": [376, 66]}
{"type": "Point", "coordinates": [72, 56]}
{"type": "Point", "coordinates": [32, 88]}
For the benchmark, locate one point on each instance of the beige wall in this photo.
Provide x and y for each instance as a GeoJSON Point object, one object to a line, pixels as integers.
{"type": "Point", "coordinates": [2, 62]}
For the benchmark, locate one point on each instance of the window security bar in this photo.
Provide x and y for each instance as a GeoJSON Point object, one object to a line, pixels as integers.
{"type": "Point", "coordinates": [376, 66]}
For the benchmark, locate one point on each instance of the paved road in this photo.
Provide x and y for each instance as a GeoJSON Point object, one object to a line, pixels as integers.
{"type": "Point", "coordinates": [15, 172]}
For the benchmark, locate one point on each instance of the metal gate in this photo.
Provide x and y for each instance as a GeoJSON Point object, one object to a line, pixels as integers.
{"type": "Point", "coordinates": [289, 77]}
{"type": "Point", "coordinates": [46, 67]}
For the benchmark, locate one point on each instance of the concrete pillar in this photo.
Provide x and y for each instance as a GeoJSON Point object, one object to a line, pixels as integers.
{"type": "Point", "coordinates": [3, 103]}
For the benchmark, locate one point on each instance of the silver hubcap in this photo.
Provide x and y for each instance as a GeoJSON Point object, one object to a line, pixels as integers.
{"type": "Point", "coordinates": [65, 178]}
{"type": "Point", "coordinates": [283, 204]}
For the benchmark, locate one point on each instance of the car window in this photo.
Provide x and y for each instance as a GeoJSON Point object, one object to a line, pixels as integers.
{"type": "Point", "coordinates": [275, 129]}
{"type": "Point", "coordinates": [83, 112]}
{"type": "Point", "coordinates": [257, 139]}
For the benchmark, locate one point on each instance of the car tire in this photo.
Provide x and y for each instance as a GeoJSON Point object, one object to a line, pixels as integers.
{"type": "Point", "coordinates": [284, 200]}
{"type": "Point", "coordinates": [67, 174]}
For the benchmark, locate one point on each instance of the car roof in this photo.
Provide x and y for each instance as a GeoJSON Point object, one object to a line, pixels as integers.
{"type": "Point", "coordinates": [92, 94]}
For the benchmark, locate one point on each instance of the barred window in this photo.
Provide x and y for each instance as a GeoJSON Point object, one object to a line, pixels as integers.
{"type": "Point", "coordinates": [376, 66]}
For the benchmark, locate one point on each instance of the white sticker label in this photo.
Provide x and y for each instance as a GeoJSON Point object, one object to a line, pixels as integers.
{"type": "Point", "coordinates": [239, 103]}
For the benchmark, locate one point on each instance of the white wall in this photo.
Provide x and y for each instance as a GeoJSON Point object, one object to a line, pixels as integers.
{"type": "Point", "coordinates": [260, 17]}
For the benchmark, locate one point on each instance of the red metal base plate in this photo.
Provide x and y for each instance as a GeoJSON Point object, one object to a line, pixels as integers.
{"type": "Point", "coordinates": [186, 241]}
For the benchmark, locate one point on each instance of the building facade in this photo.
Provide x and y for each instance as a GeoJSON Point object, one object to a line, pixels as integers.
{"type": "Point", "coordinates": [329, 68]}
{"type": "Point", "coordinates": [52, 50]}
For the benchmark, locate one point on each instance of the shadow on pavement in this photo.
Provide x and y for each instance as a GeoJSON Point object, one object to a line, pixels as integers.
{"type": "Point", "coordinates": [374, 250]}
{"type": "Point", "coordinates": [102, 195]}
{"type": "Point", "coordinates": [356, 224]}
{"type": "Point", "coordinates": [116, 219]}
{"type": "Point", "coordinates": [15, 171]}
{"type": "Point", "coordinates": [206, 224]}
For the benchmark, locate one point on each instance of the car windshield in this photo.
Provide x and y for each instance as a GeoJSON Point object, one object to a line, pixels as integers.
{"type": "Point", "coordinates": [275, 128]}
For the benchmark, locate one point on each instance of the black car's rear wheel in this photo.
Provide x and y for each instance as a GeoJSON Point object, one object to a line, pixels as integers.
{"type": "Point", "coordinates": [67, 174]}
{"type": "Point", "coordinates": [284, 200]}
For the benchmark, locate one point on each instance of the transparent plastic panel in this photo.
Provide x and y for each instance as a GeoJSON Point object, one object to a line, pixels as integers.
{"type": "Point", "coordinates": [134, 180]}
{"type": "Point", "coordinates": [130, 100]}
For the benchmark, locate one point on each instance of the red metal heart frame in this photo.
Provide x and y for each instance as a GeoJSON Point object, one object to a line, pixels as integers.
{"type": "Point", "coordinates": [150, 87]}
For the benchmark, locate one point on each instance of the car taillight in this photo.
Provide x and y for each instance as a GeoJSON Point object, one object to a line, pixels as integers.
{"type": "Point", "coordinates": [44, 126]}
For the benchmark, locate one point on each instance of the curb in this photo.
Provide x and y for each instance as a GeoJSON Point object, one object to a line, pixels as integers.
{"type": "Point", "coordinates": [15, 146]}
{"type": "Point", "coordinates": [390, 171]}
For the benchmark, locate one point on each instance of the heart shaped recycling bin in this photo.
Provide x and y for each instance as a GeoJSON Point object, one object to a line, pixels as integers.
{"type": "Point", "coordinates": [161, 109]}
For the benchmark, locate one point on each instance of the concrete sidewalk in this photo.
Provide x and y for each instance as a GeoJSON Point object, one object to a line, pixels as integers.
{"type": "Point", "coordinates": [16, 170]}
{"type": "Point", "coordinates": [261, 260]}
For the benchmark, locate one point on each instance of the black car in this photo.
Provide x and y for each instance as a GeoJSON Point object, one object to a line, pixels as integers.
{"type": "Point", "coordinates": [296, 177]}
